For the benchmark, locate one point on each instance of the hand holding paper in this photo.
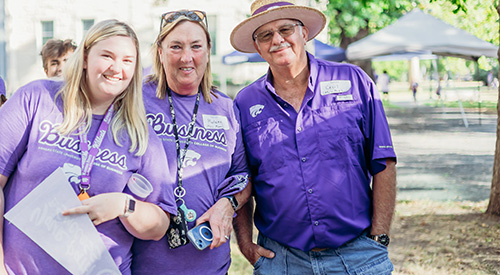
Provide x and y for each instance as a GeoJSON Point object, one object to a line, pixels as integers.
{"type": "Point", "coordinates": [100, 208]}
{"type": "Point", "coordinates": [38, 216]}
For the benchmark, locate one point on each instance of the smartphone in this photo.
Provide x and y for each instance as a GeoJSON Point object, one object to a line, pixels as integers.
{"type": "Point", "coordinates": [201, 236]}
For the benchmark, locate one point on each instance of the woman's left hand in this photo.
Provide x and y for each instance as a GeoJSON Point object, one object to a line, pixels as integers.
{"type": "Point", "coordinates": [220, 217]}
{"type": "Point", "coordinates": [100, 208]}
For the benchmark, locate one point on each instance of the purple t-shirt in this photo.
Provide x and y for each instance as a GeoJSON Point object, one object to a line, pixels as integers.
{"type": "Point", "coordinates": [311, 170]}
{"type": "Point", "coordinates": [215, 166]}
{"type": "Point", "coordinates": [31, 149]}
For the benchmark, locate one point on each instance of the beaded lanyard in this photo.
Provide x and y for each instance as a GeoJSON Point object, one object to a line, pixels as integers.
{"type": "Point", "coordinates": [181, 154]}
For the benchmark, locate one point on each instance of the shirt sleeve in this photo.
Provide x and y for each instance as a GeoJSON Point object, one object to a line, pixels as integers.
{"type": "Point", "coordinates": [155, 169]}
{"type": "Point", "coordinates": [15, 123]}
{"type": "Point", "coordinates": [237, 177]}
{"type": "Point", "coordinates": [379, 145]}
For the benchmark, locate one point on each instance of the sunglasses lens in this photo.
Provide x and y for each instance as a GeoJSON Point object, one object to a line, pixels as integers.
{"type": "Point", "coordinates": [284, 31]}
{"type": "Point", "coordinates": [194, 15]}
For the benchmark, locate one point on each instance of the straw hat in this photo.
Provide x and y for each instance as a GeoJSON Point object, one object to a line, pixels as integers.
{"type": "Point", "coordinates": [265, 11]}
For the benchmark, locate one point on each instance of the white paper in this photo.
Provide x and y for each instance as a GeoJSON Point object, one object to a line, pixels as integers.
{"type": "Point", "coordinates": [73, 240]}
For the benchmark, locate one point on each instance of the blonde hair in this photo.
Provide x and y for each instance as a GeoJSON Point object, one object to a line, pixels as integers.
{"type": "Point", "coordinates": [158, 76]}
{"type": "Point", "coordinates": [128, 106]}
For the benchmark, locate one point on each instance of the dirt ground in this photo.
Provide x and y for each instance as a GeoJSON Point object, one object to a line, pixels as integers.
{"type": "Point", "coordinates": [444, 178]}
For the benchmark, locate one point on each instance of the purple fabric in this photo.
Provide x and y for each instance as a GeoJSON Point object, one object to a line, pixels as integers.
{"type": "Point", "coordinates": [2, 87]}
{"type": "Point", "coordinates": [214, 164]}
{"type": "Point", "coordinates": [270, 6]}
{"type": "Point", "coordinates": [312, 170]}
{"type": "Point", "coordinates": [31, 150]}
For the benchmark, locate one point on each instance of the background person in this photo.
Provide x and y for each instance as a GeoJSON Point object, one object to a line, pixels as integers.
{"type": "Point", "coordinates": [315, 134]}
{"type": "Point", "coordinates": [383, 82]}
{"type": "Point", "coordinates": [200, 130]}
{"type": "Point", "coordinates": [102, 88]}
{"type": "Point", "coordinates": [3, 93]}
{"type": "Point", "coordinates": [54, 54]}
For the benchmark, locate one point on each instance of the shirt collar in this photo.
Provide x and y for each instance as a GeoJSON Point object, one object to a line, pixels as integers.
{"type": "Point", "coordinates": [313, 74]}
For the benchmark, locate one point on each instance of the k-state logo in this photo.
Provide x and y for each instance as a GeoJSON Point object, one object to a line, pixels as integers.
{"type": "Point", "coordinates": [255, 110]}
{"type": "Point", "coordinates": [191, 158]}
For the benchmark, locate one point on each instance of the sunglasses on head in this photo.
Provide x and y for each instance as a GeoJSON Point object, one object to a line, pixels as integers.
{"type": "Point", "coordinates": [192, 15]}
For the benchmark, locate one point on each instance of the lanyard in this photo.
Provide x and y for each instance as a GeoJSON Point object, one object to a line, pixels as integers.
{"type": "Point", "coordinates": [89, 155]}
{"type": "Point", "coordinates": [180, 191]}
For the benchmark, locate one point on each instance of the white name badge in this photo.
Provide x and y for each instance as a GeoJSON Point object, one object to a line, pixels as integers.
{"type": "Point", "coordinates": [344, 98]}
{"type": "Point", "coordinates": [335, 87]}
{"type": "Point", "coordinates": [215, 122]}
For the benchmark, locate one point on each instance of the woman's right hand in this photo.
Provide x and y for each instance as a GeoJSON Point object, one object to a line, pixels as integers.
{"type": "Point", "coordinates": [100, 208]}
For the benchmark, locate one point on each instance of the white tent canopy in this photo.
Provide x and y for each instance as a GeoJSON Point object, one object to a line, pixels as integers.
{"type": "Point", "coordinates": [420, 32]}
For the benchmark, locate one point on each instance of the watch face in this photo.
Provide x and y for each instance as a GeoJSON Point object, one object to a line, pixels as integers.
{"type": "Point", "coordinates": [131, 205]}
{"type": "Point", "coordinates": [384, 239]}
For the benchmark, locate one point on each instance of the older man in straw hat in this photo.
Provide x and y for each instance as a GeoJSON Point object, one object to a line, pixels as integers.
{"type": "Point", "coordinates": [316, 135]}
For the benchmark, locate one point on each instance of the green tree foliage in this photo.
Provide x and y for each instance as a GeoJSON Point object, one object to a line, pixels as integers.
{"type": "Point", "coordinates": [352, 20]}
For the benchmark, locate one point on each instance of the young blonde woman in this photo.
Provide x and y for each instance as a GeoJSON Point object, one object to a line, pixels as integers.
{"type": "Point", "coordinates": [92, 123]}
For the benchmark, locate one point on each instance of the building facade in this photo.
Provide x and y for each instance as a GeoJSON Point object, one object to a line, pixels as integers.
{"type": "Point", "coordinates": [25, 25]}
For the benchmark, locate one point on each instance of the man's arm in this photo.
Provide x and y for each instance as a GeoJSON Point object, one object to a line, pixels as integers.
{"type": "Point", "coordinates": [243, 229]}
{"type": "Point", "coordinates": [384, 199]}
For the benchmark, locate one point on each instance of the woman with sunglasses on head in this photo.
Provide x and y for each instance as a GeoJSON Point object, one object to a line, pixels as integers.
{"type": "Point", "coordinates": [199, 127]}
{"type": "Point", "coordinates": [93, 126]}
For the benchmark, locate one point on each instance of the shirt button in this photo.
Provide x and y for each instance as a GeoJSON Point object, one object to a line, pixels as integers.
{"type": "Point", "coordinates": [310, 191]}
{"type": "Point", "coordinates": [304, 159]}
{"type": "Point", "coordinates": [316, 223]}
{"type": "Point", "coordinates": [299, 129]}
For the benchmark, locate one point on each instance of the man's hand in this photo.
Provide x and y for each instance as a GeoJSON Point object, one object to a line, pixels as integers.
{"type": "Point", "coordinates": [253, 252]}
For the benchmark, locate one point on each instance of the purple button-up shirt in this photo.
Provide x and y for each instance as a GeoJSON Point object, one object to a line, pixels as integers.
{"type": "Point", "coordinates": [312, 169]}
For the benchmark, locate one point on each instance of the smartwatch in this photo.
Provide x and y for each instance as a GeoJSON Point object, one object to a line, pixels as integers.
{"type": "Point", "coordinates": [129, 206]}
{"type": "Point", "coordinates": [382, 239]}
{"type": "Point", "coordinates": [233, 201]}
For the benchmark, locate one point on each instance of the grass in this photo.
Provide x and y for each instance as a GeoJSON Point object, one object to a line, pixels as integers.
{"type": "Point", "coordinates": [485, 105]}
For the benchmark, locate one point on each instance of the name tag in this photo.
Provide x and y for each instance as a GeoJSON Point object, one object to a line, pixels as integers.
{"type": "Point", "coordinates": [344, 98]}
{"type": "Point", "coordinates": [215, 122]}
{"type": "Point", "coordinates": [335, 87]}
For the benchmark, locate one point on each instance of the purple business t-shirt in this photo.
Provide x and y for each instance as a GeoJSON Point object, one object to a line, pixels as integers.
{"type": "Point", "coordinates": [312, 169]}
{"type": "Point", "coordinates": [215, 166]}
{"type": "Point", "coordinates": [31, 149]}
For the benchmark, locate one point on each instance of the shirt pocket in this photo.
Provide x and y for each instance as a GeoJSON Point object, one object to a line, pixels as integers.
{"type": "Point", "coordinates": [265, 145]}
{"type": "Point", "coordinates": [341, 144]}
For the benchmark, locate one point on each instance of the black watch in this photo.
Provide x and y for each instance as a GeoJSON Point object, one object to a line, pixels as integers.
{"type": "Point", "coordinates": [382, 239]}
{"type": "Point", "coordinates": [233, 201]}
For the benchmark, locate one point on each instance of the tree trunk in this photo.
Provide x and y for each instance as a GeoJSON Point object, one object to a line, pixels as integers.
{"type": "Point", "coordinates": [494, 204]}
{"type": "Point", "coordinates": [365, 65]}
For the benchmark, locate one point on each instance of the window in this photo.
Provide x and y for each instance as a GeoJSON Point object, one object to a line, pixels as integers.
{"type": "Point", "coordinates": [47, 31]}
{"type": "Point", "coordinates": [212, 30]}
{"type": "Point", "coordinates": [87, 24]}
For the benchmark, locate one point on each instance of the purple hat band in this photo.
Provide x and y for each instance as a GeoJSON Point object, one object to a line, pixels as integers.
{"type": "Point", "coordinates": [270, 6]}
